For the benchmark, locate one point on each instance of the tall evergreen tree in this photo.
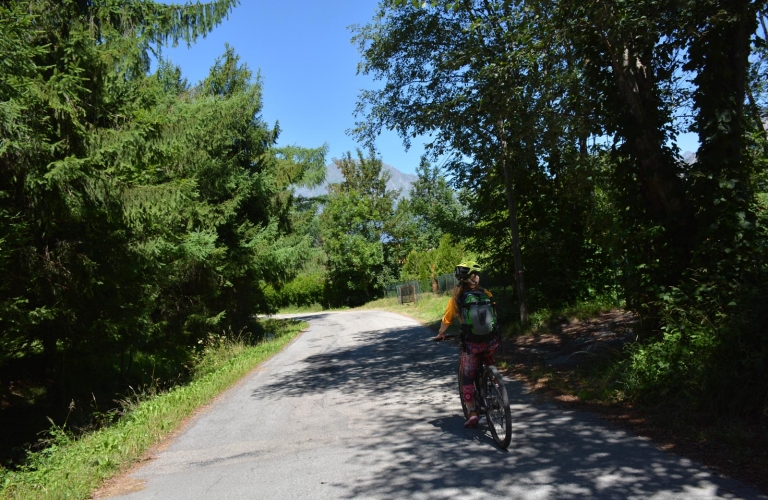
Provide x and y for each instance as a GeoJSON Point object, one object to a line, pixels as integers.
{"type": "Point", "coordinates": [139, 213]}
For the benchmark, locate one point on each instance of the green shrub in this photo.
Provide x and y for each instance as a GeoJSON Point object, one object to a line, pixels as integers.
{"type": "Point", "coordinates": [673, 365]}
{"type": "Point", "coordinates": [713, 357]}
{"type": "Point", "coordinates": [303, 291]}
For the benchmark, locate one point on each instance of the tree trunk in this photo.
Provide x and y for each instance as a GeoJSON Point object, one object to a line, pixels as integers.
{"type": "Point", "coordinates": [661, 186]}
{"type": "Point", "coordinates": [511, 205]}
{"type": "Point", "coordinates": [720, 56]}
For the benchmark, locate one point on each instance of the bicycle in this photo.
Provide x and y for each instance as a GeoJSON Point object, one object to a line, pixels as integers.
{"type": "Point", "coordinates": [492, 400]}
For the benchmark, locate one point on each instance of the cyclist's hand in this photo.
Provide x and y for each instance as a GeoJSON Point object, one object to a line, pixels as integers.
{"type": "Point", "coordinates": [439, 337]}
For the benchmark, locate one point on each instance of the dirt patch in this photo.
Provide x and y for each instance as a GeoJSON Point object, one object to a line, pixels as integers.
{"type": "Point", "coordinates": [125, 486]}
{"type": "Point", "coordinates": [555, 363]}
{"type": "Point", "coordinates": [566, 344]}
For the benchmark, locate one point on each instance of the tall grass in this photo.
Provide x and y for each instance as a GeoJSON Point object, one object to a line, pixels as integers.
{"type": "Point", "coordinates": [428, 309]}
{"type": "Point", "coordinates": [73, 467]}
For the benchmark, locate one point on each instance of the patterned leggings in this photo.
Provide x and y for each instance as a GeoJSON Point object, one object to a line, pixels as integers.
{"type": "Point", "coordinates": [470, 360]}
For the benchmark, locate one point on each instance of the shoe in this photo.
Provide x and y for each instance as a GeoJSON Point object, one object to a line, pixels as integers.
{"type": "Point", "coordinates": [472, 420]}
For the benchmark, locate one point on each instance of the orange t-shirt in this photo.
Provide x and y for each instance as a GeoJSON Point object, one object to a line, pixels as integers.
{"type": "Point", "coordinates": [452, 309]}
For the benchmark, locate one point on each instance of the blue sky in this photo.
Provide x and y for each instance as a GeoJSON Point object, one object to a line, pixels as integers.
{"type": "Point", "coordinates": [308, 67]}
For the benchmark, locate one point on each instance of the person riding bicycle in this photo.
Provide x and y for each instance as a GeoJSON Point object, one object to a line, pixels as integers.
{"type": "Point", "coordinates": [479, 344]}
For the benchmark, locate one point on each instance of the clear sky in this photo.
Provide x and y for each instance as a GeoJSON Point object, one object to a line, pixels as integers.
{"type": "Point", "coordinates": [308, 66]}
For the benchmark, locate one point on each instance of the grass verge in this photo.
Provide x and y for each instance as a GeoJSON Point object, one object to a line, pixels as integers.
{"type": "Point", "coordinates": [307, 309]}
{"type": "Point", "coordinates": [428, 310]}
{"type": "Point", "coordinates": [74, 467]}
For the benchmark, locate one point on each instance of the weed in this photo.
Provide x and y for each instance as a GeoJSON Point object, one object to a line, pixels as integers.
{"type": "Point", "coordinates": [69, 467]}
{"type": "Point", "coordinates": [315, 307]}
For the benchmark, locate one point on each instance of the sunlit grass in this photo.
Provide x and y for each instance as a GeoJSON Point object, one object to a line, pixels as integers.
{"type": "Point", "coordinates": [541, 320]}
{"type": "Point", "coordinates": [301, 309]}
{"type": "Point", "coordinates": [74, 467]}
{"type": "Point", "coordinates": [428, 309]}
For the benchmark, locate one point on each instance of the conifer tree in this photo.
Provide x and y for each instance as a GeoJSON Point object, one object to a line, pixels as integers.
{"type": "Point", "coordinates": [139, 213]}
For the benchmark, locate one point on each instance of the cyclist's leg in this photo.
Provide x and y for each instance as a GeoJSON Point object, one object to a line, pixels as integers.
{"type": "Point", "coordinates": [490, 349]}
{"type": "Point", "coordinates": [470, 359]}
{"type": "Point", "coordinates": [469, 365]}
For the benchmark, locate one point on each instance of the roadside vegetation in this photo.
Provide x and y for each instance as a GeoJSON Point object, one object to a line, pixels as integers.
{"type": "Point", "coordinates": [74, 464]}
{"type": "Point", "coordinates": [428, 309]}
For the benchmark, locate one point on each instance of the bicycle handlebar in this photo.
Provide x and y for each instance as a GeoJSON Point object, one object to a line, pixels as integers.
{"type": "Point", "coordinates": [436, 339]}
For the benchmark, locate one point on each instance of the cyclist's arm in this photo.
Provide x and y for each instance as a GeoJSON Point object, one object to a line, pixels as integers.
{"type": "Point", "coordinates": [493, 301]}
{"type": "Point", "coordinates": [450, 312]}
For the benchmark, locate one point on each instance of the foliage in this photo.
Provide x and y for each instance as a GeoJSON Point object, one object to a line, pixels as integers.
{"type": "Point", "coordinates": [492, 71]}
{"type": "Point", "coordinates": [434, 205]}
{"type": "Point", "coordinates": [138, 214]}
{"type": "Point", "coordinates": [515, 92]}
{"type": "Point", "coordinates": [708, 332]}
{"type": "Point", "coordinates": [304, 290]}
{"type": "Point", "coordinates": [354, 229]}
{"type": "Point", "coordinates": [427, 265]}
{"type": "Point", "coordinates": [73, 467]}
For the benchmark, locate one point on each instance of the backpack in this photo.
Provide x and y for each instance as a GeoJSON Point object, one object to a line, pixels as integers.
{"type": "Point", "coordinates": [477, 313]}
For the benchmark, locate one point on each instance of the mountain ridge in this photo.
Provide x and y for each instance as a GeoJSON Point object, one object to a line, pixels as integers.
{"type": "Point", "coordinates": [398, 180]}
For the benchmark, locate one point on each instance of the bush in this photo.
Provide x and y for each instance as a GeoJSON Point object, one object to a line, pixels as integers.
{"type": "Point", "coordinates": [675, 364]}
{"type": "Point", "coordinates": [304, 290]}
{"type": "Point", "coordinates": [713, 357]}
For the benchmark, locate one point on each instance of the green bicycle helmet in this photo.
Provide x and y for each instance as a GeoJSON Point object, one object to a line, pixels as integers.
{"type": "Point", "coordinates": [465, 269]}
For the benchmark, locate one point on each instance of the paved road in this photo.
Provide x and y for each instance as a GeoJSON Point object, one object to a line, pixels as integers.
{"type": "Point", "coordinates": [363, 406]}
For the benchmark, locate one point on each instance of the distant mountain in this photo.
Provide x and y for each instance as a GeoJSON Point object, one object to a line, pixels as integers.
{"type": "Point", "coordinates": [398, 180]}
{"type": "Point", "coordinates": [689, 158]}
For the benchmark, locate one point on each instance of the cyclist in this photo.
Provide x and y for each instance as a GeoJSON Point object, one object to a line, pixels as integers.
{"type": "Point", "coordinates": [475, 347]}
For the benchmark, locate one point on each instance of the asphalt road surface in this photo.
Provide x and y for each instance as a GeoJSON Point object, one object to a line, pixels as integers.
{"type": "Point", "coordinates": [363, 405]}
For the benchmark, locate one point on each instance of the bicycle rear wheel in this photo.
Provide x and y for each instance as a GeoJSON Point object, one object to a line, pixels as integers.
{"type": "Point", "coordinates": [498, 415]}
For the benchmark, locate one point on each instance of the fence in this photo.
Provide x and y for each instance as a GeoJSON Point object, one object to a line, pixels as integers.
{"type": "Point", "coordinates": [408, 291]}
{"type": "Point", "coordinates": [445, 283]}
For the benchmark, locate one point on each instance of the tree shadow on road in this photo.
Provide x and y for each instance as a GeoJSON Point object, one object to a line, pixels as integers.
{"type": "Point", "coordinates": [420, 449]}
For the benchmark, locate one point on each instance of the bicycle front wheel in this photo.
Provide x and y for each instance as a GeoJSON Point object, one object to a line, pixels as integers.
{"type": "Point", "coordinates": [498, 415]}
